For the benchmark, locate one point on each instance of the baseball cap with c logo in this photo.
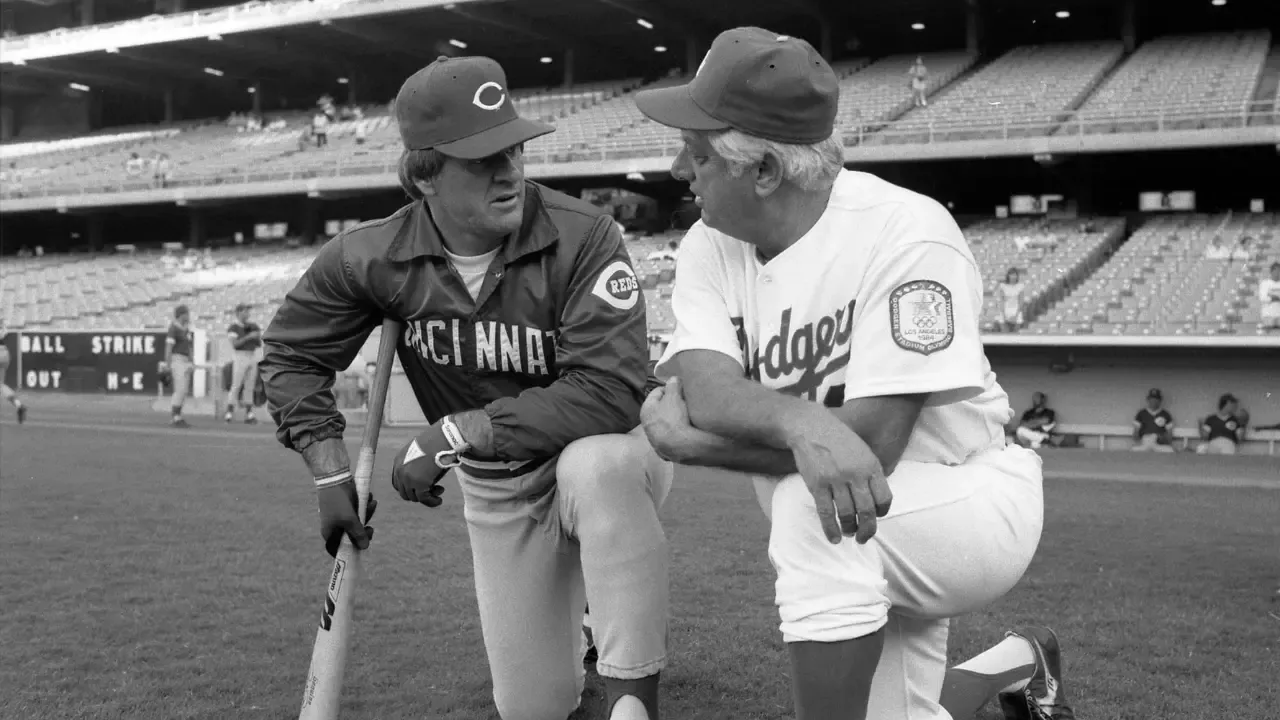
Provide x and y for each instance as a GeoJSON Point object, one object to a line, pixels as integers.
{"type": "Point", "coordinates": [462, 107]}
{"type": "Point", "coordinates": [756, 81]}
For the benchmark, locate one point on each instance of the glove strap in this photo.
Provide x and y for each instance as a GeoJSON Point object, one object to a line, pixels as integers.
{"type": "Point", "coordinates": [333, 479]}
{"type": "Point", "coordinates": [446, 459]}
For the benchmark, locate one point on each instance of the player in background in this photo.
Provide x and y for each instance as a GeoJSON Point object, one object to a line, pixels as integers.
{"type": "Point", "coordinates": [526, 348]}
{"type": "Point", "coordinates": [1222, 433]}
{"type": "Point", "coordinates": [1153, 426]}
{"type": "Point", "coordinates": [1269, 297]}
{"type": "Point", "coordinates": [827, 338]}
{"type": "Point", "coordinates": [178, 361]}
{"type": "Point", "coordinates": [246, 338]}
{"type": "Point", "coordinates": [6, 392]}
{"type": "Point", "coordinates": [1035, 428]}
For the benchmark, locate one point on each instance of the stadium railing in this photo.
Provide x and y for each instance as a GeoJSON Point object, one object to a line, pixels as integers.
{"type": "Point", "coordinates": [904, 133]}
{"type": "Point", "coordinates": [230, 18]}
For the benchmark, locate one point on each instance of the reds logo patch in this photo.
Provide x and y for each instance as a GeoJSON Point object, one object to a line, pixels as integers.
{"type": "Point", "coordinates": [491, 100]}
{"type": "Point", "coordinates": [920, 316]}
{"type": "Point", "coordinates": [618, 286]}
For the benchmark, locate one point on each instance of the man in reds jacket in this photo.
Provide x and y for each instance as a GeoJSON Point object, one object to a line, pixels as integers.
{"type": "Point", "coordinates": [525, 345]}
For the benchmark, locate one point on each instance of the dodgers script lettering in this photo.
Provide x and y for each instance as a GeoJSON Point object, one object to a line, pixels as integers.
{"type": "Point", "coordinates": [815, 350]}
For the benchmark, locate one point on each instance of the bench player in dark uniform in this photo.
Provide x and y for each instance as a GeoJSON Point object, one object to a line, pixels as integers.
{"type": "Point", "coordinates": [525, 345]}
{"type": "Point", "coordinates": [1222, 432]}
{"type": "Point", "coordinates": [1153, 426]}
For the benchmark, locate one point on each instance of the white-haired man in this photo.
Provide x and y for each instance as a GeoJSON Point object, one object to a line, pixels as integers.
{"type": "Point", "coordinates": [827, 339]}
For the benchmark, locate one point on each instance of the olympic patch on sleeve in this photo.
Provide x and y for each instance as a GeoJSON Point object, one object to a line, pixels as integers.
{"type": "Point", "coordinates": [617, 285]}
{"type": "Point", "coordinates": [920, 316]}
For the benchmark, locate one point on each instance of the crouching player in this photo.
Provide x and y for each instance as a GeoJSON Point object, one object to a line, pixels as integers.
{"type": "Point", "coordinates": [827, 345]}
{"type": "Point", "coordinates": [526, 348]}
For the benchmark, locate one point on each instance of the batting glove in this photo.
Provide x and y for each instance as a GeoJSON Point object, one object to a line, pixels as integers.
{"type": "Point", "coordinates": [339, 515]}
{"type": "Point", "coordinates": [415, 473]}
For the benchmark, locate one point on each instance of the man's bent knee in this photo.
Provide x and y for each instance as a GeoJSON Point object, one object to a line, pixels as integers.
{"type": "Point", "coordinates": [824, 592]}
{"type": "Point", "coordinates": [604, 469]}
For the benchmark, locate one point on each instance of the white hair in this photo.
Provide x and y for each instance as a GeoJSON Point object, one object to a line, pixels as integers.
{"type": "Point", "coordinates": [808, 167]}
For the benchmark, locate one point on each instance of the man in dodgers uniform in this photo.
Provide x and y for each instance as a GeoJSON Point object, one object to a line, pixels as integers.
{"type": "Point", "coordinates": [827, 338]}
{"type": "Point", "coordinates": [526, 348]}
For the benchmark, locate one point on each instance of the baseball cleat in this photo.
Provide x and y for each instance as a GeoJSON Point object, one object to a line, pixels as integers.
{"type": "Point", "coordinates": [179, 422]}
{"type": "Point", "coordinates": [228, 417]}
{"type": "Point", "coordinates": [22, 414]}
{"type": "Point", "coordinates": [1044, 697]}
{"type": "Point", "coordinates": [250, 420]}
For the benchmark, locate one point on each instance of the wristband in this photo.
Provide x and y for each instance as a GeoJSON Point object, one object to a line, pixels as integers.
{"type": "Point", "coordinates": [451, 458]}
{"type": "Point", "coordinates": [332, 479]}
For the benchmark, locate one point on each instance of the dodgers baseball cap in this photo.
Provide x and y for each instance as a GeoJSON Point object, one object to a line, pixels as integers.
{"type": "Point", "coordinates": [1155, 393]}
{"type": "Point", "coordinates": [461, 106]}
{"type": "Point", "coordinates": [772, 86]}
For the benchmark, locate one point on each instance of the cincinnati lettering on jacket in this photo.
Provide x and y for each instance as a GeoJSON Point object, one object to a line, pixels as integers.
{"type": "Point", "coordinates": [809, 349]}
{"type": "Point", "coordinates": [484, 345]}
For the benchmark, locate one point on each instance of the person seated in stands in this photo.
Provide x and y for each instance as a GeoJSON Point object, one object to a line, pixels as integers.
{"type": "Point", "coordinates": [1037, 424]}
{"type": "Point", "coordinates": [1153, 426]}
{"type": "Point", "coordinates": [1269, 296]}
{"type": "Point", "coordinates": [670, 252]}
{"type": "Point", "coordinates": [320, 129]}
{"type": "Point", "coordinates": [1245, 250]}
{"type": "Point", "coordinates": [1222, 433]}
{"type": "Point", "coordinates": [134, 165]}
{"type": "Point", "coordinates": [1216, 250]}
{"type": "Point", "coordinates": [206, 260]}
{"type": "Point", "coordinates": [1011, 292]}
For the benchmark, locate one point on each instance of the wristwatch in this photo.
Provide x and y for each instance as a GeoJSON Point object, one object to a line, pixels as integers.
{"type": "Point", "coordinates": [451, 458]}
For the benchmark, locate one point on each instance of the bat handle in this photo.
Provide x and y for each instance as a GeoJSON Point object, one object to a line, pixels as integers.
{"type": "Point", "coordinates": [373, 422]}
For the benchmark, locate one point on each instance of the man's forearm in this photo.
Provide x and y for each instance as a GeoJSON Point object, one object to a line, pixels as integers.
{"type": "Point", "coordinates": [748, 413]}
{"type": "Point", "coordinates": [326, 457]}
{"type": "Point", "coordinates": [717, 451]}
{"type": "Point", "coordinates": [884, 424]}
{"type": "Point", "coordinates": [477, 429]}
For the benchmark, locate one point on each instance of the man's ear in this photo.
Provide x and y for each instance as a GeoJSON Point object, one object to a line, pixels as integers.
{"type": "Point", "coordinates": [768, 175]}
{"type": "Point", "coordinates": [427, 187]}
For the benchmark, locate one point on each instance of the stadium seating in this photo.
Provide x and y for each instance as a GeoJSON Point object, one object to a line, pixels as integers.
{"type": "Point", "coordinates": [140, 290]}
{"type": "Point", "coordinates": [1175, 82]}
{"type": "Point", "coordinates": [1169, 83]}
{"type": "Point", "coordinates": [1160, 282]}
{"type": "Point", "coordinates": [1024, 92]}
{"type": "Point", "coordinates": [881, 92]}
{"type": "Point", "coordinates": [1052, 257]}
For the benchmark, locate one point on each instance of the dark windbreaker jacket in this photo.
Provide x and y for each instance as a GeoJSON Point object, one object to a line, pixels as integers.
{"type": "Point", "coordinates": [553, 349]}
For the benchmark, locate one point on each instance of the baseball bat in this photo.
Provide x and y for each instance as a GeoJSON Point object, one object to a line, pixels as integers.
{"type": "Point", "coordinates": [321, 695]}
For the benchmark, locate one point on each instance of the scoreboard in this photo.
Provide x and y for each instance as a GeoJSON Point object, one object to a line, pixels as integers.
{"type": "Point", "coordinates": [88, 361]}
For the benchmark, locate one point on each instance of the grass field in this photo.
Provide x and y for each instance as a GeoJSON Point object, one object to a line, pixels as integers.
{"type": "Point", "coordinates": [152, 573]}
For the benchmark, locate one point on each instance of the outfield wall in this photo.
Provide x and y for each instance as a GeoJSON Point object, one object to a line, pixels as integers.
{"type": "Point", "coordinates": [1108, 385]}
{"type": "Point", "coordinates": [1091, 381]}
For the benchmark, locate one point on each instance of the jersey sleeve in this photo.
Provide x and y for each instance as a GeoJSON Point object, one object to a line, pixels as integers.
{"type": "Point", "coordinates": [320, 327]}
{"type": "Point", "coordinates": [701, 303]}
{"type": "Point", "coordinates": [917, 329]}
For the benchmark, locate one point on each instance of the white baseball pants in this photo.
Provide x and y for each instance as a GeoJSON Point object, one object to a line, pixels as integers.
{"type": "Point", "coordinates": [582, 527]}
{"type": "Point", "coordinates": [956, 538]}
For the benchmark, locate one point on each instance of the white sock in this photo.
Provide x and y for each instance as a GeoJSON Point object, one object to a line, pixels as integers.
{"type": "Point", "coordinates": [1010, 654]}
